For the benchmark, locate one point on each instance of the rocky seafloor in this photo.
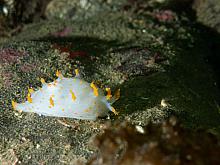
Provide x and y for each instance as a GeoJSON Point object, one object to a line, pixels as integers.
{"type": "Point", "coordinates": [159, 56]}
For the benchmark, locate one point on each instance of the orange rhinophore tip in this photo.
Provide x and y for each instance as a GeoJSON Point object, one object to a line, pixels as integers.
{"type": "Point", "coordinates": [109, 95]}
{"type": "Point", "coordinates": [14, 104]}
{"type": "Point", "coordinates": [114, 111]}
{"type": "Point", "coordinates": [117, 94]}
{"type": "Point", "coordinates": [95, 89]}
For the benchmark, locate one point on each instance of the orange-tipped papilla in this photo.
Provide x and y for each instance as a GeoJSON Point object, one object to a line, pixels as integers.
{"type": "Point", "coordinates": [14, 104]}
{"type": "Point", "coordinates": [109, 95]}
{"type": "Point", "coordinates": [77, 72]}
{"type": "Point", "coordinates": [59, 74]}
{"type": "Point", "coordinates": [42, 81]}
{"type": "Point", "coordinates": [95, 89]}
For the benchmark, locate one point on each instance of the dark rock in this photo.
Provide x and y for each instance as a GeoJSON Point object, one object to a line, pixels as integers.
{"type": "Point", "coordinates": [208, 13]}
{"type": "Point", "coordinates": [162, 144]}
{"type": "Point", "coordinates": [136, 61]}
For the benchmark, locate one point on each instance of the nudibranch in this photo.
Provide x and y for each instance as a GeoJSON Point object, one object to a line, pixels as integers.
{"type": "Point", "coordinates": [69, 97]}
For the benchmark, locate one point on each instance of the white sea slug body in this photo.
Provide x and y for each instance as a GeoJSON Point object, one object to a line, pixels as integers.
{"type": "Point", "coordinates": [67, 97]}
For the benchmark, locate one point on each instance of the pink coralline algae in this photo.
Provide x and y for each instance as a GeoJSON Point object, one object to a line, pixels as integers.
{"type": "Point", "coordinates": [26, 67]}
{"type": "Point", "coordinates": [62, 33]}
{"type": "Point", "coordinates": [7, 77]}
{"type": "Point", "coordinates": [164, 15]}
{"type": "Point", "coordinates": [67, 49]}
{"type": "Point", "coordinates": [9, 55]}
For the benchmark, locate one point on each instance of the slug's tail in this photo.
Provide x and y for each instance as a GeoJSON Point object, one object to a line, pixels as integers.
{"type": "Point", "coordinates": [14, 104]}
{"type": "Point", "coordinates": [111, 99]}
{"type": "Point", "coordinates": [111, 108]}
{"type": "Point", "coordinates": [17, 107]}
